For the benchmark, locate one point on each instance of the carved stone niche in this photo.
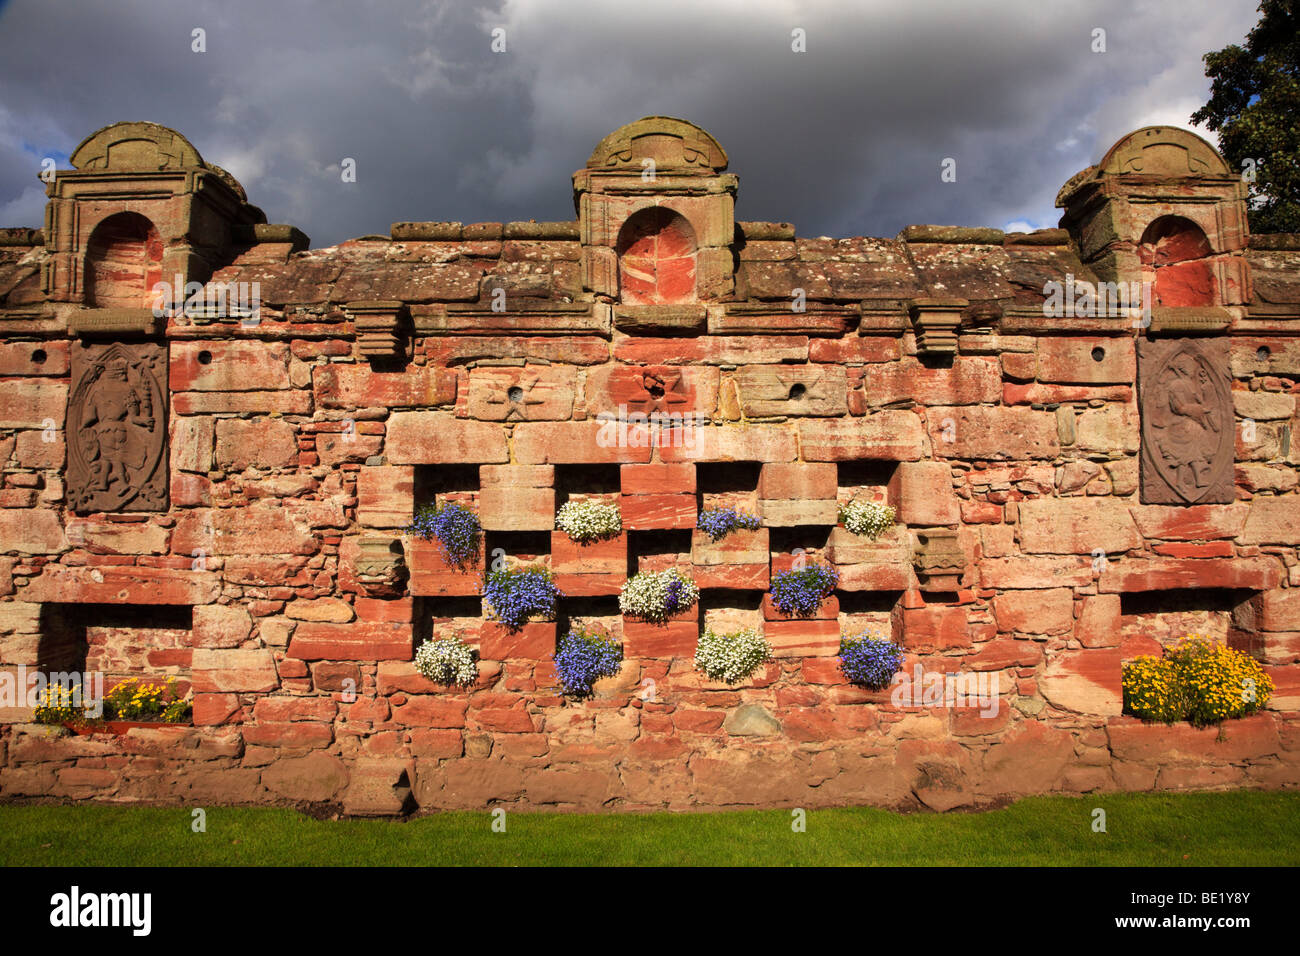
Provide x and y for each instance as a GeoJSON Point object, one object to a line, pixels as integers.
{"type": "Point", "coordinates": [117, 427]}
{"type": "Point", "coordinates": [381, 566]}
{"type": "Point", "coordinates": [938, 559]}
{"type": "Point", "coordinates": [1188, 428]}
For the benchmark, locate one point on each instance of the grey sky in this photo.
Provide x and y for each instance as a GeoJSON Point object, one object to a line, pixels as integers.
{"type": "Point", "coordinates": [846, 138]}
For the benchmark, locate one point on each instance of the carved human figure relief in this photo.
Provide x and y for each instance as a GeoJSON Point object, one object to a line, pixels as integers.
{"type": "Point", "coordinates": [117, 428]}
{"type": "Point", "coordinates": [1187, 422]}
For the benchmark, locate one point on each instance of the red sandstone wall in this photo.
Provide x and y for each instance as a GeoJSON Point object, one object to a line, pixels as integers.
{"type": "Point", "coordinates": [288, 446]}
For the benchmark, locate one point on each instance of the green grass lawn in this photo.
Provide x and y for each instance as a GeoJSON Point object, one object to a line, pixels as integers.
{"type": "Point", "coordinates": [1190, 829]}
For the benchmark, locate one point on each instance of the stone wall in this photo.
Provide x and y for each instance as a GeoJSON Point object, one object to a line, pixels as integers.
{"type": "Point", "coordinates": [217, 494]}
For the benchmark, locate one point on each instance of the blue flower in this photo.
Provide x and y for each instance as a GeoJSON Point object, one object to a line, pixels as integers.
{"type": "Point", "coordinates": [453, 526]}
{"type": "Point", "coordinates": [516, 594]}
{"type": "Point", "coordinates": [582, 658]}
{"type": "Point", "coordinates": [869, 660]}
{"type": "Point", "coordinates": [717, 523]}
{"type": "Point", "coordinates": [799, 592]}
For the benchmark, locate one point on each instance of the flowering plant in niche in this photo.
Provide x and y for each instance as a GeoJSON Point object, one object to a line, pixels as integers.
{"type": "Point", "coordinates": [453, 526]}
{"type": "Point", "coordinates": [586, 521]}
{"type": "Point", "coordinates": [717, 523]}
{"type": "Point", "coordinates": [1196, 680]}
{"type": "Point", "coordinates": [448, 661]}
{"type": "Point", "coordinates": [514, 595]}
{"type": "Point", "coordinates": [870, 660]}
{"type": "Point", "coordinates": [800, 591]}
{"type": "Point", "coordinates": [870, 519]}
{"type": "Point", "coordinates": [731, 657]}
{"type": "Point", "coordinates": [657, 595]}
{"type": "Point", "coordinates": [583, 657]}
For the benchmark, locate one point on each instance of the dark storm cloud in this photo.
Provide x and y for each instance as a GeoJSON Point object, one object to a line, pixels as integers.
{"type": "Point", "coordinates": [844, 139]}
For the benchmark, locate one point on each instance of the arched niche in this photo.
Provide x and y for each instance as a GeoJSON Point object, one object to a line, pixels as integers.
{"type": "Point", "coordinates": [1176, 258]}
{"type": "Point", "coordinates": [123, 262]}
{"type": "Point", "coordinates": [657, 258]}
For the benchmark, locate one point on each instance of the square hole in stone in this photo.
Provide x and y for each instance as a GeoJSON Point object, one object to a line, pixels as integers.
{"type": "Point", "coordinates": [443, 484]}
{"type": "Point", "coordinates": [728, 484]}
{"type": "Point", "coordinates": [870, 611]}
{"type": "Point", "coordinates": [582, 482]}
{"type": "Point", "coordinates": [727, 611]}
{"type": "Point", "coordinates": [659, 550]}
{"type": "Point", "coordinates": [1169, 616]}
{"type": "Point", "coordinates": [443, 618]}
{"type": "Point", "coordinates": [121, 641]}
{"type": "Point", "coordinates": [595, 613]}
{"type": "Point", "coordinates": [517, 549]}
{"type": "Point", "coordinates": [864, 480]}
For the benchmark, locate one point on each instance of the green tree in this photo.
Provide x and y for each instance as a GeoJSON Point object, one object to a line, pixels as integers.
{"type": "Point", "coordinates": [1254, 107]}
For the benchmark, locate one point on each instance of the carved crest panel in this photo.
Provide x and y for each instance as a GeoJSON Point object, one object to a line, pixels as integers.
{"type": "Point", "coordinates": [1188, 429]}
{"type": "Point", "coordinates": [117, 427]}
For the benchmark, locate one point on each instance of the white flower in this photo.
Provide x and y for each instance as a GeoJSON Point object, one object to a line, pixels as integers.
{"type": "Point", "coordinates": [589, 520]}
{"type": "Point", "coordinates": [867, 518]}
{"type": "Point", "coordinates": [731, 657]}
{"type": "Point", "coordinates": [647, 594]}
{"type": "Point", "coordinates": [447, 661]}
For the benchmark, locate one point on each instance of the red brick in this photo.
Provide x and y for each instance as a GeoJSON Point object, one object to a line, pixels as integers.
{"type": "Point", "coordinates": [360, 386]}
{"type": "Point", "coordinates": [1045, 611]}
{"type": "Point", "coordinates": [1163, 574]}
{"type": "Point", "coordinates": [438, 438]}
{"type": "Point", "coordinates": [805, 638]}
{"type": "Point", "coordinates": [643, 512]}
{"type": "Point", "coordinates": [828, 610]}
{"type": "Point", "coordinates": [921, 493]}
{"type": "Point", "coordinates": [432, 711]}
{"type": "Point", "coordinates": [992, 433]}
{"type": "Point", "coordinates": [385, 496]}
{"type": "Point", "coordinates": [674, 639]}
{"type": "Point", "coordinates": [933, 628]}
{"type": "Point", "coordinates": [604, 556]}
{"type": "Point", "coordinates": [666, 389]}
{"type": "Point", "coordinates": [699, 721]}
{"type": "Point", "coordinates": [658, 479]}
{"type": "Point", "coordinates": [888, 435]}
{"type": "Point", "coordinates": [1069, 358]}
{"type": "Point", "coordinates": [589, 442]}
{"type": "Point", "coordinates": [437, 744]}
{"type": "Point", "coordinates": [798, 480]}
{"type": "Point", "coordinates": [433, 575]}
{"type": "Point", "coordinates": [534, 641]}
{"type": "Point", "coordinates": [1000, 654]}
{"type": "Point", "coordinates": [1190, 523]}
{"type": "Point", "coordinates": [211, 709]}
{"type": "Point", "coordinates": [122, 585]}
{"type": "Point", "coordinates": [713, 349]}
{"type": "Point", "coordinates": [506, 720]}
{"type": "Point", "coordinates": [301, 734]}
{"type": "Point", "coordinates": [351, 642]}
{"type": "Point", "coordinates": [511, 508]}
{"type": "Point", "coordinates": [231, 366]}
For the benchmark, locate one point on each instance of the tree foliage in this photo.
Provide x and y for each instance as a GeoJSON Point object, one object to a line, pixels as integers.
{"type": "Point", "coordinates": [1254, 104]}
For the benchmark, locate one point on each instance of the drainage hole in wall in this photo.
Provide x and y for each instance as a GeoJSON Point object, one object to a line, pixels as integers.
{"type": "Point", "coordinates": [1098, 354]}
{"type": "Point", "coordinates": [797, 391]}
{"type": "Point", "coordinates": [205, 357]}
{"type": "Point", "coordinates": [515, 393]}
{"type": "Point", "coordinates": [39, 357]}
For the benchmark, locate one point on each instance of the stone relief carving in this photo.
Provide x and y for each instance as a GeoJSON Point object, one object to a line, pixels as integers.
{"type": "Point", "coordinates": [117, 428]}
{"type": "Point", "coordinates": [1188, 428]}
